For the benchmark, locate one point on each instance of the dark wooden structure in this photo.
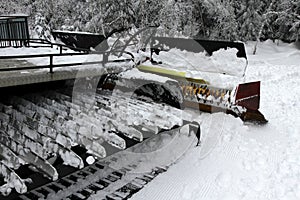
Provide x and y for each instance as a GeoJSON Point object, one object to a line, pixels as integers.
{"type": "Point", "coordinates": [14, 31]}
{"type": "Point", "coordinates": [81, 40]}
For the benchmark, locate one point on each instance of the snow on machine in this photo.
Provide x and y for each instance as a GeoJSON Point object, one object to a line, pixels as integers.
{"type": "Point", "coordinates": [201, 74]}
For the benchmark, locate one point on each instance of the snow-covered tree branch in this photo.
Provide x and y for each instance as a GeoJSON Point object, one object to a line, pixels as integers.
{"type": "Point", "coordinates": [224, 20]}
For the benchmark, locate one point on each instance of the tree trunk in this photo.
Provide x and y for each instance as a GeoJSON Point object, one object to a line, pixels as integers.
{"type": "Point", "coordinates": [264, 20]}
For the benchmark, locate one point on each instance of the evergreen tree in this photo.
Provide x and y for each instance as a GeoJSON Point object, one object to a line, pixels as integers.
{"type": "Point", "coordinates": [288, 19]}
{"type": "Point", "coordinates": [224, 22]}
{"type": "Point", "coordinates": [250, 20]}
{"type": "Point", "coordinates": [12, 7]}
{"type": "Point", "coordinates": [147, 12]}
{"type": "Point", "coordinates": [216, 19]}
{"type": "Point", "coordinates": [202, 18]}
{"type": "Point", "coordinates": [41, 29]}
{"type": "Point", "coordinates": [176, 18]}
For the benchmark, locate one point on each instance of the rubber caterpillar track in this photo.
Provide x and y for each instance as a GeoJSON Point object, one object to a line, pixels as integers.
{"type": "Point", "coordinates": [98, 178]}
{"type": "Point", "coordinates": [42, 132]}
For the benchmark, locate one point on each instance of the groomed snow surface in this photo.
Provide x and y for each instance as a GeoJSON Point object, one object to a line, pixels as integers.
{"type": "Point", "coordinates": [245, 162]}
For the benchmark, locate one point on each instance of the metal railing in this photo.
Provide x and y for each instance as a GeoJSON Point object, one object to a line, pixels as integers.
{"type": "Point", "coordinates": [52, 65]}
{"type": "Point", "coordinates": [46, 43]}
{"type": "Point", "coordinates": [13, 42]}
{"type": "Point", "coordinates": [16, 42]}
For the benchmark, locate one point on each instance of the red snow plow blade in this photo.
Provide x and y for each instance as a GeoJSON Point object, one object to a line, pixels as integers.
{"type": "Point", "coordinates": [245, 102]}
{"type": "Point", "coordinates": [248, 96]}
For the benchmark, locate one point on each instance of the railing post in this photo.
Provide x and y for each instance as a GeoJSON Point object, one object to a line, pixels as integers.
{"type": "Point", "coordinates": [105, 58]}
{"type": "Point", "coordinates": [60, 49]}
{"type": "Point", "coordinates": [8, 32]}
{"type": "Point", "coordinates": [51, 64]}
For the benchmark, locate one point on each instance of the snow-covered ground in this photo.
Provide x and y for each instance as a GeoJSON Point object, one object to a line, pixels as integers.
{"type": "Point", "coordinates": [245, 162]}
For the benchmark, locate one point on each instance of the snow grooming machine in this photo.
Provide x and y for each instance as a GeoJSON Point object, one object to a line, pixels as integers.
{"type": "Point", "coordinates": [204, 91]}
{"type": "Point", "coordinates": [44, 131]}
{"type": "Point", "coordinates": [36, 126]}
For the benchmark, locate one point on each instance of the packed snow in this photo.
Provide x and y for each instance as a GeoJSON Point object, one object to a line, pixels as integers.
{"type": "Point", "coordinates": [222, 69]}
{"type": "Point", "coordinates": [221, 61]}
{"type": "Point", "coordinates": [245, 162]}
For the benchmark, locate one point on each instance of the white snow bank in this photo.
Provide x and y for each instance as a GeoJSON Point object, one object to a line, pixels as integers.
{"type": "Point", "coordinates": [222, 61]}
{"type": "Point", "coordinates": [277, 53]}
{"type": "Point", "coordinates": [222, 69]}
